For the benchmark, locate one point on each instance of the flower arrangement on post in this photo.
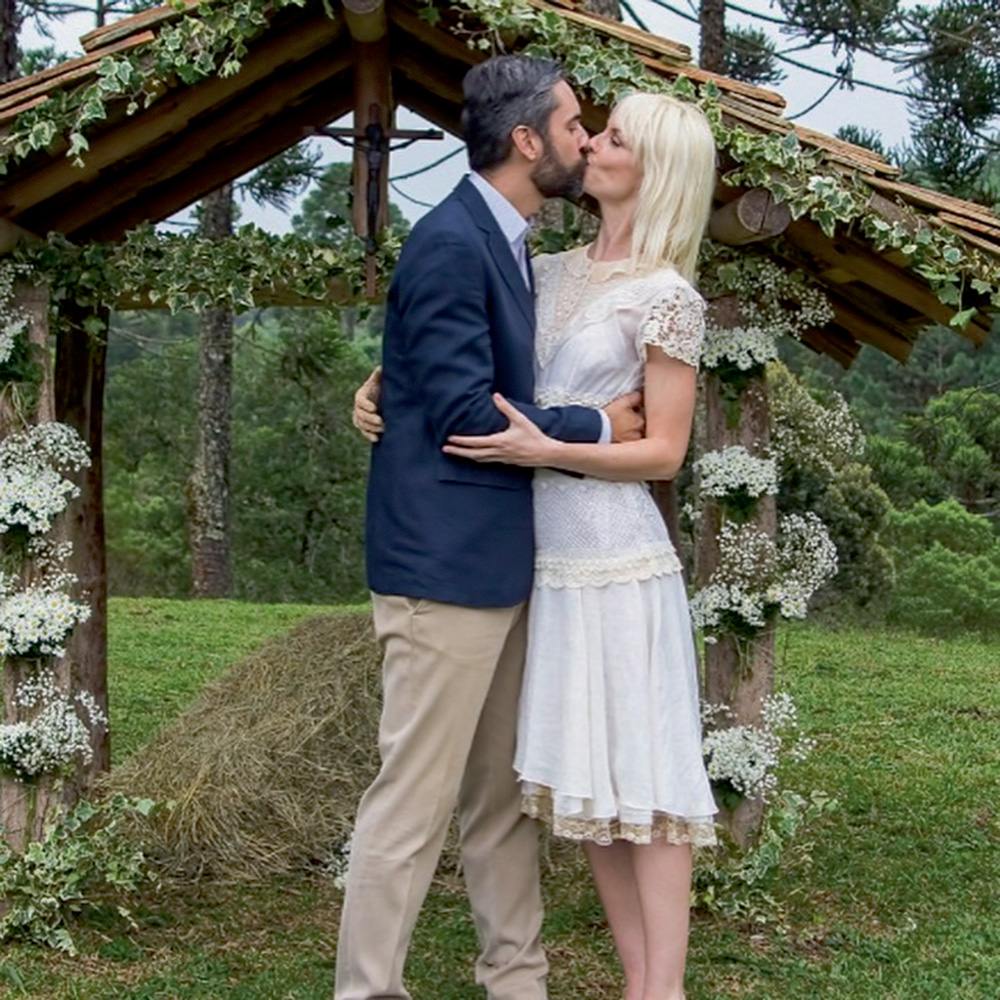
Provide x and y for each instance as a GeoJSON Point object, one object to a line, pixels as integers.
{"type": "Point", "coordinates": [742, 760]}
{"type": "Point", "coordinates": [759, 579]}
{"type": "Point", "coordinates": [47, 729]}
{"type": "Point", "coordinates": [773, 302]}
{"type": "Point", "coordinates": [737, 479]}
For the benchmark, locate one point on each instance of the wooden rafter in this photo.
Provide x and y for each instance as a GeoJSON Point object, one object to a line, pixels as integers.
{"type": "Point", "coordinates": [229, 160]}
{"type": "Point", "coordinates": [168, 116]}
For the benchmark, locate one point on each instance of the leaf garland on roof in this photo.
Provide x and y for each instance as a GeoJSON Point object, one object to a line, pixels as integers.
{"type": "Point", "coordinates": [212, 38]}
{"type": "Point", "coordinates": [188, 272]}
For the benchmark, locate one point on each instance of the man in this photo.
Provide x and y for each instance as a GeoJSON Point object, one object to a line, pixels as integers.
{"type": "Point", "coordinates": [450, 547]}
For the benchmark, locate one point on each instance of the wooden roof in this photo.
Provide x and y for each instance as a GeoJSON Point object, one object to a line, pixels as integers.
{"type": "Point", "coordinates": [298, 75]}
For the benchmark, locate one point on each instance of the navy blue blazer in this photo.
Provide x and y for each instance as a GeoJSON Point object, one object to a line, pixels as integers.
{"type": "Point", "coordinates": [460, 325]}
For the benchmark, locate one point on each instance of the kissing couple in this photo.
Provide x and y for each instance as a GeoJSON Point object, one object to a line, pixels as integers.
{"type": "Point", "coordinates": [538, 655]}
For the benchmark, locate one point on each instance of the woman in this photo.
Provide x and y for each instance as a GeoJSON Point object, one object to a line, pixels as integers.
{"type": "Point", "coordinates": [609, 743]}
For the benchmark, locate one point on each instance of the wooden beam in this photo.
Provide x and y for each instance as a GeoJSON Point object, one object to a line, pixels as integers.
{"type": "Point", "coordinates": [366, 20]}
{"type": "Point", "coordinates": [82, 208]}
{"type": "Point", "coordinates": [430, 79]}
{"type": "Point", "coordinates": [768, 98]}
{"type": "Point", "coordinates": [11, 234]}
{"type": "Point", "coordinates": [869, 268]}
{"type": "Point", "coordinates": [442, 113]}
{"type": "Point", "coordinates": [635, 37]}
{"type": "Point", "coordinates": [752, 217]}
{"type": "Point", "coordinates": [101, 38]}
{"type": "Point", "coordinates": [170, 114]}
{"type": "Point", "coordinates": [225, 162]}
{"type": "Point", "coordinates": [56, 77]}
{"type": "Point", "coordinates": [867, 331]}
{"type": "Point", "coordinates": [934, 199]}
{"type": "Point", "coordinates": [437, 41]}
{"type": "Point", "coordinates": [833, 342]}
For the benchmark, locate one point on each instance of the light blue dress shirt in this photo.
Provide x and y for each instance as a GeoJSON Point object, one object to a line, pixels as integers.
{"type": "Point", "coordinates": [515, 229]}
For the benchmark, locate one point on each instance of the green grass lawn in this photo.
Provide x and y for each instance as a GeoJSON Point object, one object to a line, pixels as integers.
{"type": "Point", "coordinates": [899, 902]}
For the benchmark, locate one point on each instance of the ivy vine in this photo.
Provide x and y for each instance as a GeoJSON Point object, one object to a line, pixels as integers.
{"type": "Point", "coordinates": [212, 39]}
{"type": "Point", "coordinates": [183, 272]}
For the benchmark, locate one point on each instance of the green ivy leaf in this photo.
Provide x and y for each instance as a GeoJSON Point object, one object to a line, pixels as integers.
{"type": "Point", "coordinates": [430, 14]}
{"type": "Point", "coordinates": [961, 319]}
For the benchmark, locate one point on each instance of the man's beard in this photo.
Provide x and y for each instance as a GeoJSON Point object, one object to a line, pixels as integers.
{"type": "Point", "coordinates": [556, 180]}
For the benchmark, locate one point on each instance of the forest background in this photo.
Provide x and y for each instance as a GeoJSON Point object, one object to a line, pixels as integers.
{"type": "Point", "coordinates": [913, 510]}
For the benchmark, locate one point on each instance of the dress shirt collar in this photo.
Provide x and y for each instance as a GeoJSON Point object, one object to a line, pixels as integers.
{"type": "Point", "coordinates": [512, 224]}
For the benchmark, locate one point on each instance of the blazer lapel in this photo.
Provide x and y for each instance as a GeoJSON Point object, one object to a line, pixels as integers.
{"type": "Point", "coordinates": [499, 249]}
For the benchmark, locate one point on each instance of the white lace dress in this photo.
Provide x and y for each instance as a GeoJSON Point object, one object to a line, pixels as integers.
{"type": "Point", "coordinates": [609, 736]}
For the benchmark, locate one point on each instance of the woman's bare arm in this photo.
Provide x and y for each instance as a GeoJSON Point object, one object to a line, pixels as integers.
{"type": "Point", "coordinates": [669, 403]}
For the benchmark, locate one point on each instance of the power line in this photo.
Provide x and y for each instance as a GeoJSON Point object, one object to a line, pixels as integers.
{"type": "Point", "coordinates": [430, 166]}
{"type": "Point", "coordinates": [630, 10]}
{"type": "Point", "coordinates": [403, 194]}
{"type": "Point", "coordinates": [852, 82]}
{"type": "Point", "coordinates": [815, 104]}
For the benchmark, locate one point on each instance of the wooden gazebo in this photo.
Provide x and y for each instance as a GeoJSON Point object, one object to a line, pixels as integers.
{"type": "Point", "coordinates": [306, 69]}
{"type": "Point", "coordinates": [153, 147]}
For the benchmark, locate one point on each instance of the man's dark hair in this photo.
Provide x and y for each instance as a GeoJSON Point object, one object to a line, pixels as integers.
{"type": "Point", "coordinates": [500, 94]}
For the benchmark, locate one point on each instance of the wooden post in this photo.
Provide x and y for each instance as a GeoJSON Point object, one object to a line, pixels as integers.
{"type": "Point", "coordinates": [738, 673]}
{"type": "Point", "coordinates": [24, 808]}
{"type": "Point", "coordinates": [754, 216]}
{"type": "Point", "coordinates": [373, 113]}
{"type": "Point", "coordinates": [79, 402]}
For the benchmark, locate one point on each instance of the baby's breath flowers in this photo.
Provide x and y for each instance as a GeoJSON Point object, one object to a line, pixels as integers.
{"type": "Point", "coordinates": [33, 487]}
{"type": "Point", "coordinates": [737, 478]}
{"type": "Point", "coordinates": [13, 321]}
{"type": "Point", "coordinates": [55, 737]}
{"type": "Point", "coordinates": [742, 760]}
{"type": "Point", "coordinates": [36, 622]}
{"type": "Point", "coordinates": [774, 302]}
{"type": "Point", "coordinates": [758, 579]}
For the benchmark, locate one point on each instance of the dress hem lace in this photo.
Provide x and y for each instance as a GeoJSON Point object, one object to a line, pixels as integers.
{"type": "Point", "coordinates": [536, 802]}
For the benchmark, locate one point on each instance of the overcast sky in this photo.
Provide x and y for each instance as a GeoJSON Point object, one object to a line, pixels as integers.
{"type": "Point", "coordinates": [886, 113]}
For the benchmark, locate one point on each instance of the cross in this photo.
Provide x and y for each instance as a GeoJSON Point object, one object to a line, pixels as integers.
{"type": "Point", "coordinates": [375, 142]}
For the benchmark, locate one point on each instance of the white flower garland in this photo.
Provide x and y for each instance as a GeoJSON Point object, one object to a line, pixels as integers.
{"type": "Point", "coordinates": [774, 303]}
{"type": "Point", "coordinates": [13, 321]}
{"type": "Point", "coordinates": [37, 621]}
{"type": "Point", "coordinates": [744, 347]}
{"type": "Point", "coordinates": [757, 578]}
{"type": "Point", "coordinates": [746, 757]}
{"type": "Point", "coordinates": [733, 469]}
{"type": "Point", "coordinates": [57, 734]}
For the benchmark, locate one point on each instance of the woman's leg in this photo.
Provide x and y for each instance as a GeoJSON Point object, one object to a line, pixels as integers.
{"type": "Point", "coordinates": [614, 877]}
{"type": "Point", "coordinates": [662, 875]}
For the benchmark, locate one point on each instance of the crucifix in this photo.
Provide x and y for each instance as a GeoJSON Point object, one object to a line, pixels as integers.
{"type": "Point", "coordinates": [372, 144]}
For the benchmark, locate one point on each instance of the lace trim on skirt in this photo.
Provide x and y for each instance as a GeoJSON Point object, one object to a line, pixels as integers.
{"type": "Point", "coordinates": [536, 802]}
{"type": "Point", "coordinates": [578, 571]}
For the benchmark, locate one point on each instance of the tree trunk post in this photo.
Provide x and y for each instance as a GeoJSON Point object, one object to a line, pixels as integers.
{"type": "Point", "coordinates": [79, 402]}
{"type": "Point", "coordinates": [10, 25]}
{"type": "Point", "coordinates": [739, 673]}
{"type": "Point", "coordinates": [208, 487]}
{"type": "Point", "coordinates": [26, 807]}
{"type": "Point", "coordinates": [712, 49]}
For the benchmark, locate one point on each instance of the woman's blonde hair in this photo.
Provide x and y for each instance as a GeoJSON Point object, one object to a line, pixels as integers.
{"type": "Point", "coordinates": [673, 145]}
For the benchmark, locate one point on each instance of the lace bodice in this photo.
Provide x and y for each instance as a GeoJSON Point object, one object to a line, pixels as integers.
{"type": "Point", "coordinates": [595, 322]}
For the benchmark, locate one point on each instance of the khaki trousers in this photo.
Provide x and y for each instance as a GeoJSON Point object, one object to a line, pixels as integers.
{"type": "Point", "coordinates": [451, 682]}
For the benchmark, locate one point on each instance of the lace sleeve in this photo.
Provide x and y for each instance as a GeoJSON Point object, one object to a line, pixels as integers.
{"type": "Point", "coordinates": [676, 324]}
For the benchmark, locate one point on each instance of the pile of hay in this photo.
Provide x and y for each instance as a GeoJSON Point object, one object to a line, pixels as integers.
{"type": "Point", "coordinates": [266, 769]}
